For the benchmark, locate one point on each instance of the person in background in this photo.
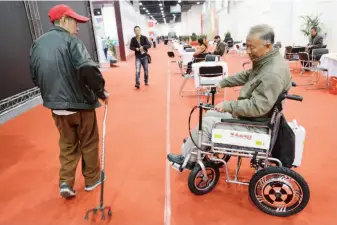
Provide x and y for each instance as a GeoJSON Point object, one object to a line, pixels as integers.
{"type": "Point", "coordinates": [105, 43]}
{"type": "Point", "coordinates": [315, 41]}
{"type": "Point", "coordinates": [140, 44]}
{"type": "Point", "coordinates": [220, 46]}
{"type": "Point", "coordinates": [154, 40]}
{"type": "Point", "coordinates": [70, 84]}
{"type": "Point", "coordinates": [229, 42]}
{"type": "Point", "coordinates": [198, 56]}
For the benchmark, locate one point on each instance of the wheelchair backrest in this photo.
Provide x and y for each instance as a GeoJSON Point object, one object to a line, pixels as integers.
{"type": "Point", "coordinates": [170, 54]}
{"type": "Point", "coordinates": [211, 71]}
{"type": "Point", "coordinates": [190, 50]}
{"type": "Point", "coordinates": [212, 58]}
{"type": "Point", "coordinates": [320, 51]}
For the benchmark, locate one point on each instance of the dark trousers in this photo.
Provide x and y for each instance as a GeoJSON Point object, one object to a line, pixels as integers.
{"type": "Point", "coordinates": [189, 67]}
{"type": "Point", "coordinates": [106, 53]}
{"type": "Point", "coordinates": [142, 61]}
{"type": "Point", "coordinates": [78, 138]}
{"type": "Point", "coordinates": [154, 44]}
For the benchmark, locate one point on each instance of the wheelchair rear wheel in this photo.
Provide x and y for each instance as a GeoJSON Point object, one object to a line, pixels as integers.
{"type": "Point", "coordinates": [196, 182]}
{"type": "Point", "coordinates": [279, 191]}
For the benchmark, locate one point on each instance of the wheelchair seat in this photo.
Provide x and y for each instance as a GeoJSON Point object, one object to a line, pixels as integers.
{"type": "Point", "coordinates": [244, 121]}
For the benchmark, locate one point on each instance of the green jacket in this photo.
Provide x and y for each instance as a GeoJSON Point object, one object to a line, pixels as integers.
{"type": "Point", "coordinates": [262, 85]}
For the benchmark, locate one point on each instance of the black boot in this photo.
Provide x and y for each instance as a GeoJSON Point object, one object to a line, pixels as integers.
{"type": "Point", "coordinates": [179, 159]}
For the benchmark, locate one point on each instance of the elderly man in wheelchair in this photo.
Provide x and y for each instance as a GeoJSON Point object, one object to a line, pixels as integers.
{"type": "Point", "coordinates": [251, 127]}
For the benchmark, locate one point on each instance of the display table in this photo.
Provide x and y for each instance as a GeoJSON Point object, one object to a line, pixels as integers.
{"type": "Point", "coordinates": [329, 61]}
{"type": "Point", "coordinates": [211, 80]}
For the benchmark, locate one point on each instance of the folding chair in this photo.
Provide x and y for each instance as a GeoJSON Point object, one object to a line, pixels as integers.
{"type": "Point", "coordinates": [173, 59]}
{"type": "Point", "coordinates": [313, 65]}
{"type": "Point", "coordinates": [205, 82]}
{"type": "Point", "coordinates": [191, 75]}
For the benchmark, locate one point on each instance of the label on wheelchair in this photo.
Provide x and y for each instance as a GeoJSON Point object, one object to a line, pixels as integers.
{"type": "Point", "coordinates": [241, 138]}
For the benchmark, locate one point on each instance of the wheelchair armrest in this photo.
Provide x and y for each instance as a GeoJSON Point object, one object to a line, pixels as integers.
{"type": "Point", "coordinates": [246, 122]}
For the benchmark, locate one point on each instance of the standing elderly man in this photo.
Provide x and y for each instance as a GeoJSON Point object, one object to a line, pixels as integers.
{"type": "Point", "coordinates": [220, 46]}
{"type": "Point", "coordinates": [262, 85]}
{"type": "Point", "coordinates": [70, 84]}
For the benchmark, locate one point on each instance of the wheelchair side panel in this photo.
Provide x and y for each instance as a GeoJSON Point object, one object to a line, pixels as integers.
{"type": "Point", "coordinates": [241, 138]}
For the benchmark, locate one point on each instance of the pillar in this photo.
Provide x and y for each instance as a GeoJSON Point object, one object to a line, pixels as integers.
{"type": "Point", "coordinates": [119, 30]}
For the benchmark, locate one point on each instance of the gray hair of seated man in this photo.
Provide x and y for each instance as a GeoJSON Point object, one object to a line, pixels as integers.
{"type": "Point", "coordinates": [265, 32]}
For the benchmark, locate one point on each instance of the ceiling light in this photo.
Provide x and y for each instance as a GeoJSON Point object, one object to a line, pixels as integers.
{"type": "Point", "coordinates": [179, 1]}
{"type": "Point", "coordinates": [160, 4]}
{"type": "Point", "coordinates": [161, 8]}
{"type": "Point", "coordinates": [140, 3]}
{"type": "Point", "coordinates": [198, 3]}
{"type": "Point", "coordinates": [163, 16]}
{"type": "Point", "coordinates": [144, 8]}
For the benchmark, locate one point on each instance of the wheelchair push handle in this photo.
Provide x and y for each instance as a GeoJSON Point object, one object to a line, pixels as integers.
{"type": "Point", "coordinates": [294, 97]}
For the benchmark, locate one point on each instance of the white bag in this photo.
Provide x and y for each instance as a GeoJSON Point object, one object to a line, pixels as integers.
{"type": "Point", "coordinates": [299, 132]}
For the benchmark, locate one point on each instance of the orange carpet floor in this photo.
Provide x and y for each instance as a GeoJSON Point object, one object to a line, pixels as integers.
{"type": "Point", "coordinates": [136, 156]}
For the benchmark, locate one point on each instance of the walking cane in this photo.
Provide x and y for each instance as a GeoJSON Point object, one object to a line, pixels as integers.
{"type": "Point", "coordinates": [101, 207]}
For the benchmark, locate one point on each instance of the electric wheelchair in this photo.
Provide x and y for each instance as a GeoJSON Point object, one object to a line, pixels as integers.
{"type": "Point", "coordinates": [274, 189]}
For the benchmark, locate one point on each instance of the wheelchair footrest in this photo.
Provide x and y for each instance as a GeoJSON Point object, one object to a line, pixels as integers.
{"type": "Point", "coordinates": [177, 167]}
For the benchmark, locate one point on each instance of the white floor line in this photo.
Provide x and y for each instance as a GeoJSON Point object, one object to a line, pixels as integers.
{"type": "Point", "coordinates": [167, 207]}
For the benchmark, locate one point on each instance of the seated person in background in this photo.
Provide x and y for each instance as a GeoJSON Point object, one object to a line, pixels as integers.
{"type": "Point", "coordinates": [229, 41]}
{"type": "Point", "coordinates": [220, 46]}
{"type": "Point", "coordinates": [262, 85]}
{"type": "Point", "coordinates": [199, 54]}
{"type": "Point", "coordinates": [315, 41]}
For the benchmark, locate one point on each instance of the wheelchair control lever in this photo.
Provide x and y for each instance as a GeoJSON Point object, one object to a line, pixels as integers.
{"type": "Point", "coordinates": [206, 106]}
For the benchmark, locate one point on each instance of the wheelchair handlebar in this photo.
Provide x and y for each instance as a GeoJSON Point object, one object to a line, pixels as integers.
{"type": "Point", "coordinates": [294, 97]}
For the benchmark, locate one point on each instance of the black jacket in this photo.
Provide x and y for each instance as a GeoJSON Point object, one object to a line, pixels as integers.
{"type": "Point", "coordinates": [144, 41]}
{"type": "Point", "coordinates": [62, 68]}
{"type": "Point", "coordinates": [316, 41]}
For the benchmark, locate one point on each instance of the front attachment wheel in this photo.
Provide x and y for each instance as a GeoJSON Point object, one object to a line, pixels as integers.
{"type": "Point", "coordinates": [198, 183]}
{"type": "Point", "coordinates": [279, 191]}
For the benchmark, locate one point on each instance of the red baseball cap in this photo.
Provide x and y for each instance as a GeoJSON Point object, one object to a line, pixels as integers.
{"type": "Point", "coordinates": [58, 11]}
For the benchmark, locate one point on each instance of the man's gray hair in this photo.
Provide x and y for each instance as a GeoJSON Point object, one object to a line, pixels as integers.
{"type": "Point", "coordinates": [264, 31]}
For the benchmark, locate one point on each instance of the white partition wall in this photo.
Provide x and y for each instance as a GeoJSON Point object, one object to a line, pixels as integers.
{"type": "Point", "coordinates": [282, 15]}
{"type": "Point", "coordinates": [164, 29]}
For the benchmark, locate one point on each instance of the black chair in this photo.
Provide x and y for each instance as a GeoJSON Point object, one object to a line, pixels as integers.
{"type": "Point", "coordinates": [172, 59]}
{"type": "Point", "coordinates": [212, 58]}
{"type": "Point", "coordinates": [189, 49]}
{"type": "Point", "coordinates": [187, 46]}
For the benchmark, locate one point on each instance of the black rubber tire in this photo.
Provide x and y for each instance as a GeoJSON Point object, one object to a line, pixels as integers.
{"type": "Point", "coordinates": [280, 170]}
{"type": "Point", "coordinates": [194, 173]}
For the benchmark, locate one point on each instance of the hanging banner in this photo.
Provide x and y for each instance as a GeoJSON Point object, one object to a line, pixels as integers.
{"type": "Point", "coordinates": [151, 24]}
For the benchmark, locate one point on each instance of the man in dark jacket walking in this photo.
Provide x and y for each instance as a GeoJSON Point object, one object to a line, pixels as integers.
{"type": "Point", "coordinates": [70, 84]}
{"type": "Point", "coordinates": [140, 44]}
